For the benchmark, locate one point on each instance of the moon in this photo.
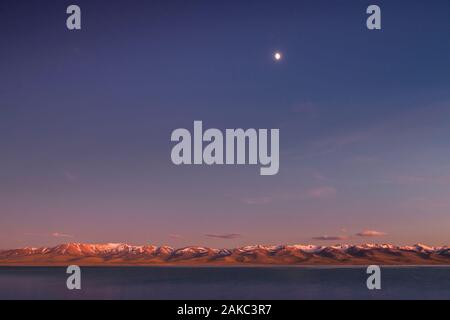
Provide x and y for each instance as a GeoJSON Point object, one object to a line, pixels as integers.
{"type": "Point", "coordinates": [277, 56]}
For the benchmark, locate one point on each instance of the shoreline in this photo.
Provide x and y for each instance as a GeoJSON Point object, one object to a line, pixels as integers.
{"type": "Point", "coordinates": [206, 266]}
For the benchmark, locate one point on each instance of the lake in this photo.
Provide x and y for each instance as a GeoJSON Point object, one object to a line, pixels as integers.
{"type": "Point", "coordinates": [225, 283]}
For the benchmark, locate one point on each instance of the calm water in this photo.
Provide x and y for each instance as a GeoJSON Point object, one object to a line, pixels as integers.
{"type": "Point", "coordinates": [224, 283]}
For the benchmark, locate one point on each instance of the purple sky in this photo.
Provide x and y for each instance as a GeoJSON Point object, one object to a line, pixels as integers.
{"type": "Point", "coordinates": [86, 118]}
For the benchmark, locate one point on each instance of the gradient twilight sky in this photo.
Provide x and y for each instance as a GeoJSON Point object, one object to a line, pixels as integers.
{"type": "Point", "coordinates": [86, 118]}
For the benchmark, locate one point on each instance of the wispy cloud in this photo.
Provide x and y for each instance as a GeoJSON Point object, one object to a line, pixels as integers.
{"type": "Point", "coordinates": [257, 200]}
{"type": "Point", "coordinates": [320, 192]}
{"type": "Point", "coordinates": [50, 235]}
{"type": "Point", "coordinates": [364, 159]}
{"type": "Point", "coordinates": [69, 176]}
{"type": "Point", "coordinates": [325, 146]}
{"type": "Point", "coordinates": [362, 234]}
{"type": "Point", "coordinates": [307, 109]}
{"type": "Point", "coordinates": [224, 236]}
{"type": "Point", "coordinates": [370, 233]}
{"type": "Point", "coordinates": [336, 142]}
{"type": "Point", "coordinates": [61, 235]}
{"type": "Point", "coordinates": [319, 176]}
{"type": "Point", "coordinates": [330, 238]}
{"type": "Point", "coordinates": [175, 236]}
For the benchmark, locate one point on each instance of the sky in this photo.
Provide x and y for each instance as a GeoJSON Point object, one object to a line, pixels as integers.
{"type": "Point", "coordinates": [86, 118]}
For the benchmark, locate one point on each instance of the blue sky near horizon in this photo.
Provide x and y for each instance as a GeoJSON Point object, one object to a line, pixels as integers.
{"type": "Point", "coordinates": [86, 117]}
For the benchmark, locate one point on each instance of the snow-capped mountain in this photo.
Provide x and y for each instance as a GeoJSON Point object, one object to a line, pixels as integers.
{"type": "Point", "coordinates": [125, 254]}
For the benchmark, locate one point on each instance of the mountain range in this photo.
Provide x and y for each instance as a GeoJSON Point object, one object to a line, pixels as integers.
{"type": "Point", "coordinates": [124, 254]}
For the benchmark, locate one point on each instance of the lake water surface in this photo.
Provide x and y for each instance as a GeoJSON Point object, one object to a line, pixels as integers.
{"type": "Point", "coordinates": [225, 283]}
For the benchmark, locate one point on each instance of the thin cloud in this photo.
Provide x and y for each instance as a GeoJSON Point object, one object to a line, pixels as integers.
{"type": "Point", "coordinates": [330, 238]}
{"type": "Point", "coordinates": [315, 193]}
{"type": "Point", "coordinates": [50, 235]}
{"type": "Point", "coordinates": [61, 235]}
{"type": "Point", "coordinates": [69, 176]}
{"type": "Point", "coordinates": [321, 193]}
{"type": "Point", "coordinates": [307, 109]}
{"type": "Point", "coordinates": [257, 200]}
{"type": "Point", "coordinates": [319, 176]}
{"type": "Point", "coordinates": [362, 234]}
{"type": "Point", "coordinates": [224, 236]}
{"type": "Point", "coordinates": [175, 236]}
{"type": "Point", "coordinates": [364, 159]}
{"type": "Point", "coordinates": [370, 233]}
